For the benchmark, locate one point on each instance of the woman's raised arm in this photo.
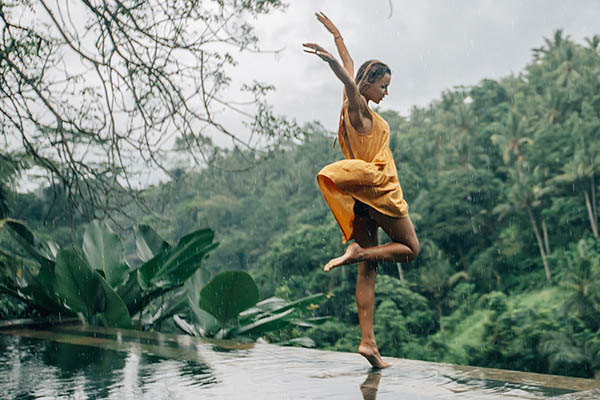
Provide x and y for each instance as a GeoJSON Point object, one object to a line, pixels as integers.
{"type": "Point", "coordinates": [358, 110]}
{"type": "Point", "coordinates": [339, 42]}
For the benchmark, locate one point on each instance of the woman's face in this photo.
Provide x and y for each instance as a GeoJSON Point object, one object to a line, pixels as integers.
{"type": "Point", "coordinates": [377, 91]}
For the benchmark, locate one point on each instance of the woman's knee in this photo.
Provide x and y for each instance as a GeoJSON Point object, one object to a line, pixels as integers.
{"type": "Point", "coordinates": [415, 248]}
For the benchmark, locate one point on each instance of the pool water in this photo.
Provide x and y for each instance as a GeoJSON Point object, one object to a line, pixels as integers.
{"type": "Point", "coordinates": [82, 362]}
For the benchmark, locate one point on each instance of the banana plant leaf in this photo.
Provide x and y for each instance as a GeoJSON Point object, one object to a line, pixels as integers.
{"type": "Point", "coordinates": [25, 278]}
{"type": "Point", "coordinates": [205, 324]}
{"type": "Point", "coordinates": [185, 326]}
{"type": "Point", "coordinates": [41, 290]}
{"type": "Point", "coordinates": [228, 294]}
{"type": "Point", "coordinates": [131, 294]}
{"type": "Point", "coordinates": [302, 303]}
{"type": "Point", "coordinates": [303, 341]}
{"type": "Point", "coordinates": [310, 322]}
{"type": "Point", "coordinates": [32, 278]}
{"type": "Point", "coordinates": [104, 252]}
{"type": "Point", "coordinates": [85, 290]}
{"type": "Point", "coordinates": [274, 305]}
{"type": "Point", "coordinates": [264, 325]}
{"type": "Point", "coordinates": [27, 240]}
{"type": "Point", "coordinates": [148, 243]}
{"type": "Point", "coordinates": [173, 302]}
{"type": "Point", "coordinates": [268, 304]}
{"type": "Point", "coordinates": [173, 266]}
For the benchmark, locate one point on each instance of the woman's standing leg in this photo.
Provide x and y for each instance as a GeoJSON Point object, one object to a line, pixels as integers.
{"type": "Point", "coordinates": [365, 235]}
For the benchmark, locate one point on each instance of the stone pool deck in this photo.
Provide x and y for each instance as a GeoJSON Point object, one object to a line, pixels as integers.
{"type": "Point", "coordinates": [231, 370]}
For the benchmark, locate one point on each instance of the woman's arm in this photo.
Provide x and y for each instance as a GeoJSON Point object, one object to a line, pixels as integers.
{"type": "Point", "coordinates": [358, 111]}
{"type": "Point", "coordinates": [339, 42]}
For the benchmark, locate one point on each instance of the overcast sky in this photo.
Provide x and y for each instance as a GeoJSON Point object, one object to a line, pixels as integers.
{"type": "Point", "coordinates": [430, 46]}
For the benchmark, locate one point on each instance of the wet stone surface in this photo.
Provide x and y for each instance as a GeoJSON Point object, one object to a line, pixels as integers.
{"type": "Point", "coordinates": [96, 363]}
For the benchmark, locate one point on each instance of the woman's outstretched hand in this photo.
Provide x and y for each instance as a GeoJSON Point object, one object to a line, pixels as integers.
{"type": "Point", "coordinates": [327, 23]}
{"type": "Point", "coordinates": [314, 48]}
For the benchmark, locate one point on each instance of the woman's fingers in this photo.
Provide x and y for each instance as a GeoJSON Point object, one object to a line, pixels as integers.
{"type": "Point", "coordinates": [322, 17]}
{"type": "Point", "coordinates": [310, 48]}
{"type": "Point", "coordinates": [313, 46]}
{"type": "Point", "coordinates": [326, 22]}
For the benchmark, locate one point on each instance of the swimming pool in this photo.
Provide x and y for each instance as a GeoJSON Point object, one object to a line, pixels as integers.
{"type": "Point", "coordinates": [84, 362]}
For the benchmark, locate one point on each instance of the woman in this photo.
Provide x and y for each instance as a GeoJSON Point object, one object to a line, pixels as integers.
{"type": "Point", "coordinates": [363, 191]}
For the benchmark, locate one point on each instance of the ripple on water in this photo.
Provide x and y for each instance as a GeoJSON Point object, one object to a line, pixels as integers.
{"type": "Point", "coordinates": [38, 369]}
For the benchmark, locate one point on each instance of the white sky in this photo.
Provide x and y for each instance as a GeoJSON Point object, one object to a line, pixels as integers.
{"type": "Point", "coordinates": [430, 46]}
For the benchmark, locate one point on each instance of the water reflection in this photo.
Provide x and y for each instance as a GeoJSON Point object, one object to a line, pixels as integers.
{"type": "Point", "coordinates": [96, 363]}
{"type": "Point", "coordinates": [39, 369]}
{"type": "Point", "coordinates": [369, 387]}
{"type": "Point", "coordinates": [95, 369]}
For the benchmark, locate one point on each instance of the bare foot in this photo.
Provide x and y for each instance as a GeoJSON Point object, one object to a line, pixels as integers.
{"type": "Point", "coordinates": [372, 355]}
{"type": "Point", "coordinates": [349, 257]}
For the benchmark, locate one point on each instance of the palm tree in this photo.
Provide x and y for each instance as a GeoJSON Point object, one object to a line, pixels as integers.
{"type": "Point", "coordinates": [580, 171]}
{"type": "Point", "coordinates": [582, 282]}
{"type": "Point", "coordinates": [593, 42]}
{"type": "Point", "coordinates": [437, 276]}
{"type": "Point", "coordinates": [527, 191]}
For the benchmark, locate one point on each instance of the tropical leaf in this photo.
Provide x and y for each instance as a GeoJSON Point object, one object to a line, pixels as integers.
{"type": "Point", "coordinates": [149, 243]}
{"type": "Point", "coordinates": [310, 322]}
{"type": "Point", "coordinates": [264, 325]}
{"type": "Point", "coordinates": [303, 341]}
{"type": "Point", "coordinates": [173, 266]}
{"type": "Point", "coordinates": [84, 290]}
{"type": "Point", "coordinates": [228, 294]}
{"type": "Point", "coordinates": [204, 323]}
{"type": "Point", "coordinates": [185, 326]}
{"type": "Point", "coordinates": [104, 252]}
{"type": "Point", "coordinates": [172, 303]}
{"type": "Point", "coordinates": [269, 304]}
{"type": "Point", "coordinates": [78, 284]}
{"type": "Point", "coordinates": [274, 305]}
{"type": "Point", "coordinates": [131, 293]}
{"type": "Point", "coordinates": [37, 285]}
{"type": "Point", "coordinates": [28, 241]}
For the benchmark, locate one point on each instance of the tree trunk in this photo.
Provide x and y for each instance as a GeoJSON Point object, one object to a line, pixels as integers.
{"type": "Point", "coordinates": [545, 232]}
{"type": "Point", "coordinates": [540, 244]}
{"type": "Point", "coordinates": [438, 308]}
{"type": "Point", "coordinates": [593, 222]}
{"type": "Point", "coordinates": [594, 208]}
{"type": "Point", "coordinates": [400, 272]}
{"type": "Point", "coordinates": [498, 280]}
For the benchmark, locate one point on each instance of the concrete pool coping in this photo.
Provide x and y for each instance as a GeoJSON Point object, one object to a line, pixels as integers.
{"type": "Point", "coordinates": [303, 367]}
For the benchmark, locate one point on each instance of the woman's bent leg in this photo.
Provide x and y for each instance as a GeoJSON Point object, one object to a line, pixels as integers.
{"type": "Point", "coordinates": [365, 233]}
{"type": "Point", "coordinates": [403, 248]}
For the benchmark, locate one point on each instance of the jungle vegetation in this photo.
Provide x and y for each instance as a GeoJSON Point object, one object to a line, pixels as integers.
{"type": "Point", "coordinates": [501, 179]}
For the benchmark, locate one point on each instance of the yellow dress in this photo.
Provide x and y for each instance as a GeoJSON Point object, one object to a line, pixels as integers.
{"type": "Point", "coordinates": [370, 177]}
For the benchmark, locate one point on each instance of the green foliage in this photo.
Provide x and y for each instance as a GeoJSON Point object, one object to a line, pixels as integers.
{"type": "Point", "coordinates": [103, 250]}
{"type": "Point", "coordinates": [100, 286]}
{"type": "Point", "coordinates": [85, 291]}
{"type": "Point", "coordinates": [501, 181]}
{"type": "Point", "coordinates": [403, 319]}
{"type": "Point", "coordinates": [227, 307]}
{"type": "Point", "coordinates": [228, 294]}
{"type": "Point", "coordinates": [501, 178]}
{"type": "Point", "coordinates": [173, 266]}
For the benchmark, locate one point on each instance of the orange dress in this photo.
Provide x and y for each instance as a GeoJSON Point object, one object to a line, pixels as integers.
{"type": "Point", "coordinates": [370, 177]}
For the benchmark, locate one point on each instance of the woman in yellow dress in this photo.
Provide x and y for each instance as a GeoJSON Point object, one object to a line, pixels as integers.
{"type": "Point", "coordinates": [363, 191]}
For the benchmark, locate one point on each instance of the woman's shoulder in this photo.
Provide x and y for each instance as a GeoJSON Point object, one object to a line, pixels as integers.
{"type": "Point", "coordinates": [363, 107]}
